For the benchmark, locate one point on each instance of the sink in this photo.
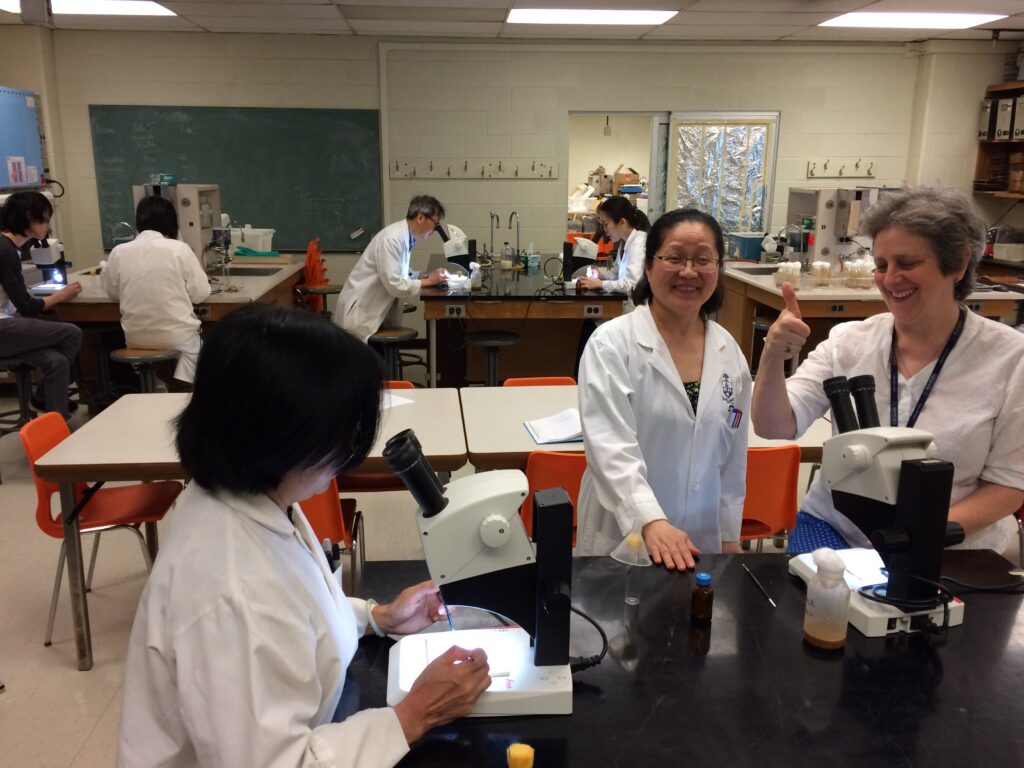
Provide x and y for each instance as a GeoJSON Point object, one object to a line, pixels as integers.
{"type": "Point", "coordinates": [244, 271]}
{"type": "Point", "coordinates": [757, 270]}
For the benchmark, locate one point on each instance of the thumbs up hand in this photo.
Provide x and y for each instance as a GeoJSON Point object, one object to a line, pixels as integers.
{"type": "Point", "coordinates": [789, 333]}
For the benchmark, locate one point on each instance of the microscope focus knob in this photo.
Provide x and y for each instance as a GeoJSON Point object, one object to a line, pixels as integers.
{"type": "Point", "coordinates": [954, 533]}
{"type": "Point", "coordinates": [890, 540]}
{"type": "Point", "coordinates": [857, 456]}
{"type": "Point", "coordinates": [495, 531]}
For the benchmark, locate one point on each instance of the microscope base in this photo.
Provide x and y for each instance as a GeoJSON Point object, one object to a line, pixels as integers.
{"type": "Point", "coordinates": [870, 618]}
{"type": "Point", "coordinates": [518, 687]}
{"type": "Point", "coordinates": [874, 619]}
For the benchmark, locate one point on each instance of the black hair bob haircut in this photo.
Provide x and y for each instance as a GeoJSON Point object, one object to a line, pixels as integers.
{"type": "Point", "coordinates": [24, 208]}
{"type": "Point", "coordinates": [642, 293]}
{"type": "Point", "coordinates": [277, 390]}
{"type": "Point", "coordinates": [158, 214]}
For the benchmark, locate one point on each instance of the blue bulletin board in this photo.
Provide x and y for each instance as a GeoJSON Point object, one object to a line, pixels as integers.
{"type": "Point", "coordinates": [21, 149]}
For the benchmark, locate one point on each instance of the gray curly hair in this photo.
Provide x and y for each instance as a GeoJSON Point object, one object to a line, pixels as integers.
{"type": "Point", "coordinates": [946, 218]}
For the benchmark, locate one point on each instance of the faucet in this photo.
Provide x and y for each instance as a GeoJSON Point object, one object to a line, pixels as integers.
{"type": "Point", "coordinates": [783, 236]}
{"type": "Point", "coordinates": [516, 214]}
{"type": "Point", "coordinates": [495, 224]}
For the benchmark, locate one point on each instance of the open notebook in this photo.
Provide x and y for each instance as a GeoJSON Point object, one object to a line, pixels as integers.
{"type": "Point", "coordinates": [564, 427]}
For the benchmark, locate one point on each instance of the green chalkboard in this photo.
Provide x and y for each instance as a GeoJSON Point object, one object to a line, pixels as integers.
{"type": "Point", "coordinates": [303, 172]}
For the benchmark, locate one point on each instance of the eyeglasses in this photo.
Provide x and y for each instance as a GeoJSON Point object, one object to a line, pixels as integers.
{"type": "Point", "coordinates": [700, 263]}
{"type": "Point", "coordinates": [432, 220]}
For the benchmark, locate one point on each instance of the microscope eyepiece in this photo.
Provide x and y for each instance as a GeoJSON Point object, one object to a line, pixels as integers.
{"type": "Point", "coordinates": [837, 389]}
{"type": "Point", "coordinates": [863, 390]}
{"type": "Point", "coordinates": [404, 455]}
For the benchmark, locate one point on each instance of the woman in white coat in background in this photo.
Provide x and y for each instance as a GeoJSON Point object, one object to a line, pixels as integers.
{"type": "Point", "coordinates": [626, 226]}
{"type": "Point", "coordinates": [242, 639]}
{"type": "Point", "coordinates": [664, 398]}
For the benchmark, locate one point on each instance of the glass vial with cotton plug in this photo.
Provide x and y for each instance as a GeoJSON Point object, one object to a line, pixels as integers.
{"type": "Point", "coordinates": [828, 602]}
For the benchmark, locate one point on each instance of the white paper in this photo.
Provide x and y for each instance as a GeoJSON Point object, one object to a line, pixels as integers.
{"type": "Point", "coordinates": [564, 427]}
{"type": "Point", "coordinates": [391, 400]}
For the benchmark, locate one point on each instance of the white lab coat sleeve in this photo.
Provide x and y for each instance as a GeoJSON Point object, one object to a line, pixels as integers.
{"type": "Point", "coordinates": [734, 467]}
{"type": "Point", "coordinates": [358, 608]}
{"type": "Point", "coordinates": [108, 277]}
{"type": "Point", "coordinates": [617, 466]}
{"type": "Point", "coordinates": [634, 257]}
{"type": "Point", "coordinates": [197, 284]}
{"type": "Point", "coordinates": [1004, 464]}
{"type": "Point", "coordinates": [806, 395]}
{"type": "Point", "coordinates": [392, 271]}
{"type": "Point", "coordinates": [249, 689]}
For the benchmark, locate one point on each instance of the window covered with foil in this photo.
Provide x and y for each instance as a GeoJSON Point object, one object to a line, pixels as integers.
{"type": "Point", "coordinates": [724, 166]}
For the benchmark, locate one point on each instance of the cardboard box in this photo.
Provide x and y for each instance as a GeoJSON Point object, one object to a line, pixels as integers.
{"type": "Point", "coordinates": [622, 176]}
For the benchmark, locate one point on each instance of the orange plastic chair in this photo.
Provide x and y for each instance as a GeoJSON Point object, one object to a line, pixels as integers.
{"type": "Point", "coordinates": [374, 481]}
{"type": "Point", "coordinates": [541, 381]}
{"type": "Point", "coordinates": [770, 504]}
{"type": "Point", "coordinates": [315, 274]}
{"type": "Point", "coordinates": [126, 507]}
{"type": "Point", "coordinates": [553, 469]}
{"type": "Point", "coordinates": [332, 517]}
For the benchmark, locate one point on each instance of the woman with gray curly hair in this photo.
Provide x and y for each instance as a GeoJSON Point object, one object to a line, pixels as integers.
{"type": "Point", "coordinates": [954, 374]}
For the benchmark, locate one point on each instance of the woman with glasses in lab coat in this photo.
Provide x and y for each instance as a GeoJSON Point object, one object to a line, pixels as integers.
{"type": "Point", "coordinates": [664, 393]}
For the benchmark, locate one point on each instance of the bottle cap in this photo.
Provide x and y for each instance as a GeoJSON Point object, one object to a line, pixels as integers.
{"type": "Point", "coordinates": [703, 579]}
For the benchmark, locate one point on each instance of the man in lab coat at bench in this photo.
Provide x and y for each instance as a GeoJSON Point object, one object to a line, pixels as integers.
{"type": "Point", "coordinates": [381, 275]}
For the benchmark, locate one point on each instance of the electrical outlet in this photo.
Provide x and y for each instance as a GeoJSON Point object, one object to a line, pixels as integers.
{"type": "Point", "coordinates": [836, 309]}
{"type": "Point", "coordinates": [976, 308]}
{"type": "Point", "coordinates": [593, 310]}
{"type": "Point", "coordinates": [454, 310]}
{"type": "Point", "coordinates": [202, 311]}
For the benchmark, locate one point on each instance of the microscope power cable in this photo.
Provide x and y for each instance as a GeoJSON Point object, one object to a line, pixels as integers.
{"type": "Point", "coordinates": [579, 663]}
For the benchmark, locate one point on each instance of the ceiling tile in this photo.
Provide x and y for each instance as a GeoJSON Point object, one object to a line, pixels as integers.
{"type": "Point", "coordinates": [384, 12]}
{"type": "Point", "coordinates": [503, 4]}
{"type": "Point", "coordinates": [425, 28]}
{"type": "Point", "coordinates": [721, 32]}
{"type": "Point", "coordinates": [135, 23]}
{"type": "Point", "coordinates": [771, 6]}
{"type": "Point", "coordinates": [286, 26]}
{"type": "Point", "coordinates": [306, 10]}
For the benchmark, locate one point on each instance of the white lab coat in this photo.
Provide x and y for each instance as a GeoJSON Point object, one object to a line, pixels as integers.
{"type": "Point", "coordinates": [240, 645]}
{"type": "Point", "coordinates": [156, 281]}
{"type": "Point", "coordinates": [629, 267]}
{"type": "Point", "coordinates": [648, 457]}
{"type": "Point", "coordinates": [380, 276]}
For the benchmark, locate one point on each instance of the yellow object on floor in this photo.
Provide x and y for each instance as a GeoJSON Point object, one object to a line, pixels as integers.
{"type": "Point", "coordinates": [520, 756]}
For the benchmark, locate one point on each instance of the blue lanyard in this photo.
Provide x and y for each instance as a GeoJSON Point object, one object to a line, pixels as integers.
{"type": "Point", "coordinates": [894, 392]}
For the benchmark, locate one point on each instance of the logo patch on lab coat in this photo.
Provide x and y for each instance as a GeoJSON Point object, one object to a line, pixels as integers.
{"type": "Point", "coordinates": [729, 397]}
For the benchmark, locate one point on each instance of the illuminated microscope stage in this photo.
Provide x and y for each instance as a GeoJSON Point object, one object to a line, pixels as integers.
{"type": "Point", "coordinates": [871, 618]}
{"type": "Point", "coordinates": [518, 687]}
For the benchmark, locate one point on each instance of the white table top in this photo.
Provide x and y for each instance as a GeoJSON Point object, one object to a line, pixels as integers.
{"type": "Point", "coordinates": [497, 439]}
{"type": "Point", "coordinates": [133, 439]}
{"type": "Point", "coordinates": [839, 292]}
{"type": "Point", "coordinates": [494, 416]}
{"type": "Point", "coordinates": [248, 288]}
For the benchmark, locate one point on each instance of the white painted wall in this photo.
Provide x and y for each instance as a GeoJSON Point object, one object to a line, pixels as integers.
{"type": "Point", "coordinates": [629, 144]}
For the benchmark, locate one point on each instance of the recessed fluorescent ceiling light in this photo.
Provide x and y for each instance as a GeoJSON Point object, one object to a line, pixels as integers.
{"type": "Point", "coordinates": [97, 7]}
{"type": "Point", "coordinates": [912, 20]}
{"type": "Point", "coordinates": [587, 16]}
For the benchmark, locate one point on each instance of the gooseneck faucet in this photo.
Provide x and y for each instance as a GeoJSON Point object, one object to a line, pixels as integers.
{"type": "Point", "coordinates": [783, 237]}
{"type": "Point", "coordinates": [495, 224]}
{"type": "Point", "coordinates": [516, 214]}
